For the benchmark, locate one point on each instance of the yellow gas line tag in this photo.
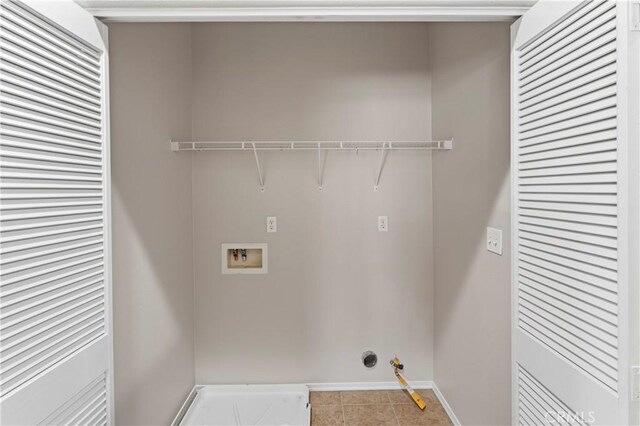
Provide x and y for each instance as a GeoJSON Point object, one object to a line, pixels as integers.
{"type": "Point", "coordinates": [414, 395]}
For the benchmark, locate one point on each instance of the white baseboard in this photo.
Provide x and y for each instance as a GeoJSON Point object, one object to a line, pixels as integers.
{"type": "Point", "coordinates": [185, 406]}
{"type": "Point", "coordinates": [446, 405]}
{"type": "Point", "coordinates": [347, 386]}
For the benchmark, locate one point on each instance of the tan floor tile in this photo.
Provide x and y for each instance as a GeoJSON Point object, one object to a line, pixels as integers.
{"type": "Point", "coordinates": [365, 397]}
{"type": "Point", "coordinates": [399, 397]}
{"type": "Point", "coordinates": [324, 398]}
{"type": "Point", "coordinates": [429, 397]}
{"type": "Point", "coordinates": [403, 397]}
{"type": "Point", "coordinates": [370, 415]}
{"type": "Point", "coordinates": [325, 415]}
{"type": "Point", "coordinates": [411, 415]}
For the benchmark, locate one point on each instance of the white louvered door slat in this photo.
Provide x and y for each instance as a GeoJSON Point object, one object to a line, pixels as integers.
{"type": "Point", "coordinates": [570, 217]}
{"type": "Point", "coordinates": [54, 231]}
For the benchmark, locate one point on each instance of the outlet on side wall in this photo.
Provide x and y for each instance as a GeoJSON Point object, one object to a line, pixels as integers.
{"type": "Point", "coordinates": [494, 240]}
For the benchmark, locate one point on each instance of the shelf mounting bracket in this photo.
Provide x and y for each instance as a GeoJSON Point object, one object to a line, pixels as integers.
{"type": "Point", "coordinates": [383, 155]}
{"type": "Point", "coordinates": [255, 154]}
{"type": "Point", "coordinates": [320, 168]}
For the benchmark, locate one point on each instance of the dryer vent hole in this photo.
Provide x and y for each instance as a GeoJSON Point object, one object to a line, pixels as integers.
{"type": "Point", "coordinates": [369, 359]}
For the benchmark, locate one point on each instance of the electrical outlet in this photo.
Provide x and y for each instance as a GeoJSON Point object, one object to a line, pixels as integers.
{"type": "Point", "coordinates": [383, 224]}
{"type": "Point", "coordinates": [494, 240]}
{"type": "Point", "coordinates": [272, 225]}
{"type": "Point", "coordinates": [635, 386]}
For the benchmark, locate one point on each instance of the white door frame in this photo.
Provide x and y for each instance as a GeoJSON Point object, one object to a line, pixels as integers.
{"type": "Point", "coordinates": [310, 10]}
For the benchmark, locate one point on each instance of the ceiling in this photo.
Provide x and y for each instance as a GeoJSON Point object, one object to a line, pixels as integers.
{"type": "Point", "coordinates": [306, 10]}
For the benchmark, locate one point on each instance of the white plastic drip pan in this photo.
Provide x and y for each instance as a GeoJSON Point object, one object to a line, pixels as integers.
{"type": "Point", "coordinates": [249, 405]}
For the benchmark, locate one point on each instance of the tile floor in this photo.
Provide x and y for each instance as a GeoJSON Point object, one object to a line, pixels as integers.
{"type": "Point", "coordinates": [393, 407]}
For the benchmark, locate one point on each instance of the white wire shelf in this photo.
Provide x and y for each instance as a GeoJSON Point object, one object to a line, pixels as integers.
{"type": "Point", "coordinates": [319, 146]}
{"type": "Point", "coordinates": [308, 145]}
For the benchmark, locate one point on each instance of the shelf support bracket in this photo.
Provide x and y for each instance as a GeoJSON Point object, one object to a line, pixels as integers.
{"type": "Point", "coordinates": [255, 154]}
{"type": "Point", "coordinates": [383, 155]}
{"type": "Point", "coordinates": [320, 168]}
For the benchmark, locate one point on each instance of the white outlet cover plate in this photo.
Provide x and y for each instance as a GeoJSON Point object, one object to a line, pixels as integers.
{"type": "Point", "coordinates": [272, 224]}
{"type": "Point", "coordinates": [494, 240]}
{"type": "Point", "coordinates": [383, 223]}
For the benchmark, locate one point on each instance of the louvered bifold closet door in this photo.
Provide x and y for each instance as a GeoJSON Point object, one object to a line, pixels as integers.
{"type": "Point", "coordinates": [566, 165]}
{"type": "Point", "coordinates": [53, 211]}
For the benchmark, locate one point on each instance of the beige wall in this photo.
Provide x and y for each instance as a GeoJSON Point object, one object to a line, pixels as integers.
{"type": "Point", "coordinates": [336, 286]}
{"type": "Point", "coordinates": [470, 80]}
{"type": "Point", "coordinates": [152, 226]}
